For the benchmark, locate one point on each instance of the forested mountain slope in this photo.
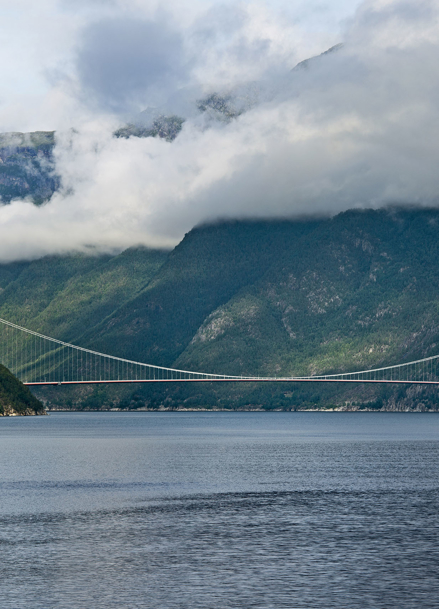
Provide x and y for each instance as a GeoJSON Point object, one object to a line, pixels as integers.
{"type": "Point", "coordinates": [270, 298]}
{"type": "Point", "coordinates": [208, 268]}
{"type": "Point", "coordinates": [63, 296]}
{"type": "Point", "coordinates": [360, 290]}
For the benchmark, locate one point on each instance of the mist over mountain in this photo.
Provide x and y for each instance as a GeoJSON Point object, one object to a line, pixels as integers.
{"type": "Point", "coordinates": [236, 131]}
{"type": "Point", "coordinates": [28, 165]}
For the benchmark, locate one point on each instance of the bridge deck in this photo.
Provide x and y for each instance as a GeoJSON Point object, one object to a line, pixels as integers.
{"type": "Point", "coordinates": [243, 380]}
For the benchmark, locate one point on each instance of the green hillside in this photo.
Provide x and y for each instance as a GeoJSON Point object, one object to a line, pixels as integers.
{"type": "Point", "coordinates": [253, 298]}
{"type": "Point", "coordinates": [207, 269]}
{"type": "Point", "coordinates": [15, 398]}
{"type": "Point", "coordinates": [65, 295]}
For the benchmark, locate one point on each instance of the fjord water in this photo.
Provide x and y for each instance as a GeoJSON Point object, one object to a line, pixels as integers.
{"type": "Point", "coordinates": [218, 510]}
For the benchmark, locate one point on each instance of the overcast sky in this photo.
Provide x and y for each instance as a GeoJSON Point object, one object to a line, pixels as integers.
{"type": "Point", "coordinates": [358, 128]}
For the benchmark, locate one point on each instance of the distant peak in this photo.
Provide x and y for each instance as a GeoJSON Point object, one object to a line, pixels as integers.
{"type": "Point", "coordinates": [304, 65]}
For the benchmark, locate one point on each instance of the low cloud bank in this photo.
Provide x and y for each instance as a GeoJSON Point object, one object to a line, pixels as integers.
{"type": "Point", "coordinates": [358, 127]}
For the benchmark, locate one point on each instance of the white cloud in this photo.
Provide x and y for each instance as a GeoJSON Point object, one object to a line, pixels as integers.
{"type": "Point", "coordinates": [359, 127]}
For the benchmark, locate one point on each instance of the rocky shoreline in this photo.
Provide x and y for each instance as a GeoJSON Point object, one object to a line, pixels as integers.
{"type": "Point", "coordinates": [28, 412]}
{"type": "Point", "coordinates": [417, 408]}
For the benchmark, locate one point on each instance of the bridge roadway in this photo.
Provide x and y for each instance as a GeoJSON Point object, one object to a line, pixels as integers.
{"type": "Point", "coordinates": [236, 380]}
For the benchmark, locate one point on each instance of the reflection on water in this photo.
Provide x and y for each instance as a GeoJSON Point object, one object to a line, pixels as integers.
{"type": "Point", "coordinates": [208, 510]}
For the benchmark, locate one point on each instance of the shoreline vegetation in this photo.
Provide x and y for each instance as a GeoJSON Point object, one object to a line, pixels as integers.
{"type": "Point", "coordinates": [15, 398]}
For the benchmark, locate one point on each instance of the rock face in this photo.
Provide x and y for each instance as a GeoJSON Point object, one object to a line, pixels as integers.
{"type": "Point", "coordinates": [27, 166]}
{"type": "Point", "coordinates": [164, 127]}
{"type": "Point", "coordinates": [15, 398]}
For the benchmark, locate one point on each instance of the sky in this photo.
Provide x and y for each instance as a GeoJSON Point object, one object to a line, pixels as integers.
{"type": "Point", "coordinates": [355, 128]}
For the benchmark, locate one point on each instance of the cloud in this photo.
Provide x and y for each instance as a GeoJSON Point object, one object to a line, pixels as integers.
{"type": "Point", "coordinates": [356, 128]}
{"type": "Point", "coordinates": [123, 62]}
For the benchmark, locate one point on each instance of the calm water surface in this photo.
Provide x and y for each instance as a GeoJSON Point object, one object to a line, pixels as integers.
{"type": "Point", "coordinates": [219, 510]}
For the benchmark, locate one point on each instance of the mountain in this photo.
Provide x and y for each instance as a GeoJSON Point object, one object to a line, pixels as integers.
{"type": "Point", "coordinates": [306, 64]}
{"type": "Point", "coordinates": [15, 398]}
{"type": "Point", "coordinates": [165, 127]}
{"type": "Point", "coordinates": [292, 297]}
{"type": "Point", "coordinates": [27, 167]}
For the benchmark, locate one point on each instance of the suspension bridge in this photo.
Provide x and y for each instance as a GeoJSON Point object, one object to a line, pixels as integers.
{"type": "Point", "coordinates": [37, 359]}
